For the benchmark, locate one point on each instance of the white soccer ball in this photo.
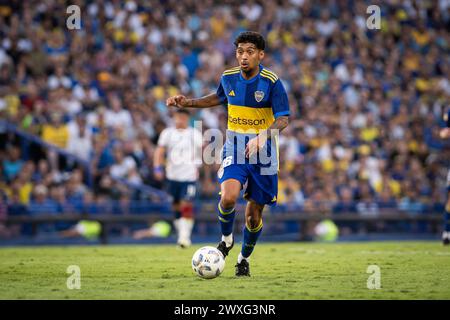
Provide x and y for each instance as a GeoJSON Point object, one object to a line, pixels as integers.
{"type": "Point", "coordinates": [208, 262]}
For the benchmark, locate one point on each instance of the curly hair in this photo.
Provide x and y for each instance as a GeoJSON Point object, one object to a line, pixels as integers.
{"type": "Point", "coordinates": [251, 37]}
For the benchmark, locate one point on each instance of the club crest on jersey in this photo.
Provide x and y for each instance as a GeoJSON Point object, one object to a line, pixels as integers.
{"type": "Point", "coordinates": [259, 95]}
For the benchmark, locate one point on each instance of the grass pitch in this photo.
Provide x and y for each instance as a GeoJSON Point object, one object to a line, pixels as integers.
{"type": "Point", "coordinates": [409, 270]}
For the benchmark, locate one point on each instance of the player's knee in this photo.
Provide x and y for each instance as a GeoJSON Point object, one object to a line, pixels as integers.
{"type": "Point", "coordinates": [253, 221]}
{"type": "Point", "coordinates": [228, 201]}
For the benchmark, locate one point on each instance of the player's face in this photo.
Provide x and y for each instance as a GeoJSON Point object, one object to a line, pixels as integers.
{"type": "Point", "coordinates": [181, 120]}
{"type": "Point", "coordinates": [248, 56]}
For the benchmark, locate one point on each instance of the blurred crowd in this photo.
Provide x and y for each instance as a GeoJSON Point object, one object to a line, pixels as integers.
{"type": "Point", "coordinates": [366, 105]}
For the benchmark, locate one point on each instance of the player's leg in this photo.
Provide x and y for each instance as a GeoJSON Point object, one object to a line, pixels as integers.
{"type": "Point", "coordinates": [252, 231]}
{"type": "Point", "coordinates": [174, 189]}
{"type": "Point", "coordinates": [177, 215]}
{"type": "Point", "coordinates": [230, 190]}
{"type": "Point", "coordinates": [262, 189]}
{"type": "Point", "coordinates": [186, 209]}
{"type": "Point", "coordinates": [446, 233]}
{"type": "Point", "coordinates": [186, 223]}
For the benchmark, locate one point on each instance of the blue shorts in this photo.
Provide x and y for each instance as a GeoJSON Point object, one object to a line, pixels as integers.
{"type": "Point", "coordinates": [262, 189]}
{"type": "Point", "coordinates": [181, 191]}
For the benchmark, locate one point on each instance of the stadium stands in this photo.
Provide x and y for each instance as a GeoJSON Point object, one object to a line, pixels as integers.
{"type": "Point", "coordinates": [83, 108]}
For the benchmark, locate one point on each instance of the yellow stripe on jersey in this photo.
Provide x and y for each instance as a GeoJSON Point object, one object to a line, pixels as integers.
{"type": "Point", "coordinates": [228, 73]}
{"type": "Point", "coordinates": [234, 68]}
{"type": "Point", "coordinates": [250, 120]}
{"type": "Point", "coordinates": [270, 73]}
{"type": "Point", "coordinates": [271, 76]}
{"type": "Point", "coordinates": [232, 71]}
{"type": "Point", "coordinates": [268, 77]}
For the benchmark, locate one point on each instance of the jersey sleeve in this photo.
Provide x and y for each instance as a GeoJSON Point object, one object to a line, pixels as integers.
{"type": "Point", "coordinates": [221, 93]}
{"type": "Point", "coordinates": [163, 139]}
{"type": "Point", "coordinates": [447, 119]}
{"type": "Point", "coordinates": [280, 103]}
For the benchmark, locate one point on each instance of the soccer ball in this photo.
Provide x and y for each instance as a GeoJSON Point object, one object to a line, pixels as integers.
{"type": "Point", "coordinates": [208, 262]}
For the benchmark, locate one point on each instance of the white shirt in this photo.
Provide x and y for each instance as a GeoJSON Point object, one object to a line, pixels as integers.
{"type": "Point", "coordinates": [74, 130]}
{"type": "Point", "coordinates": [121, 170]}
{"type": "Point", "coordinates": [184, 153]}
{"type": "Point", "coordinates": [326, 28]}
{"type": "Point", "coordinates": [118, 119]}
{"type": "Point", "coordinates": [71, 106]}
{"type": "Point", "coordinates": [81, 147]}
{"type": "Point", "coordinates": [122, 120]}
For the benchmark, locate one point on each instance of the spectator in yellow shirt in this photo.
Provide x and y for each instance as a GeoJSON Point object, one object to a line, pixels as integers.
{"type": "Point", "coordinates": [56, 132]}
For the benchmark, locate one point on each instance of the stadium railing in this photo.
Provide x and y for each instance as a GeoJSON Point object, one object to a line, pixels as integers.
{"type": "Point", "coordinates": [28, 138]}
{"type": "Point", "coordinates": [304, 219]}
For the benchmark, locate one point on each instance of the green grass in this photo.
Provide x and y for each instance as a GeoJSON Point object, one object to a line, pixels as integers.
{"type": "Point", "coordinates": [409, 270]}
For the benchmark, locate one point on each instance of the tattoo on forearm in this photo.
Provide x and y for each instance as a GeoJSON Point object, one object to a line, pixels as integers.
{"type": "Point", "coordinates": [280, 123]}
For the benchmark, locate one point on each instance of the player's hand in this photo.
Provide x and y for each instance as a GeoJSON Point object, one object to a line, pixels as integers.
{"type": "Point", "coordinates": [159, 176]}
{"type": "Point", "coordinates": [141, 234]}
{"type": "Point", "coordinates": [179, 101]}
{"type": "Point", "coordinates": [158, 173]}
{"type": "Point", "coordinates": [254, 145]}
{"type": "Point", "coordinates": [445, 133]}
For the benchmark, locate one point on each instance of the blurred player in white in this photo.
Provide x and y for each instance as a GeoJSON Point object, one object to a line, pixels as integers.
{"type": "Point", "coordinates": [180, 149]}
{"type": "Point", "coordinates": [445, 134]}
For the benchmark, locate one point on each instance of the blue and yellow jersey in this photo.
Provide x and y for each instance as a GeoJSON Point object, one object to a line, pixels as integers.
{"type": "Point", "coordinates": [253, 105]}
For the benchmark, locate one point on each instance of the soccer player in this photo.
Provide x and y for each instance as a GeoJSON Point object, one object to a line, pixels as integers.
{"type": "Point", "coordinates": [160, 229]}
{"type": "Point", "coordinates": [258, 109]}
{"type": "Point", "coordinates": [445, 134]}
{"type": "Point", "coordinates": [84, 228]}
{"type": "Point", "coordinates": [183, 145]}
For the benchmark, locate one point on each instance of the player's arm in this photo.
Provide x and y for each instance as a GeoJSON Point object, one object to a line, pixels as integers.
{"type": "Point", "coordinates": [181, 101]}
{"type": "Point", "coordinates": [211, 100]}
{"type": "Point", "coordinates": [279, 124]}
{"type": "Point", "coordinates": [158, 163]}
{"type": "Point", "coordinates": [445, 133]}
{"type": "Point", "coordinates": [280, 109]}
{"type": "Point", "coordinates": [258, 142]}
{"type": "Point", "coordinates": [141, 234]}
